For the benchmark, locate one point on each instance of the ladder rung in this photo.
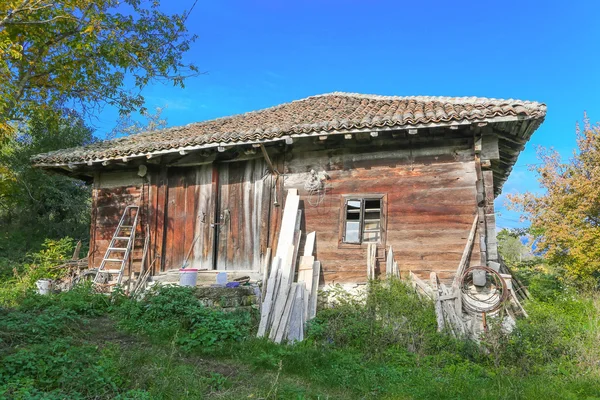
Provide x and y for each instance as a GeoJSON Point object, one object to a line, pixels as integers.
{"type": "Point", "coordinates": [117, 248]}
{"type": "Point", "coordinates": [126, 226]}
{"type": "Point", "coordinates": [112, 260]}
{"type": "Point", "coordinates": [110, 271]}
{"type": "Point", "coordinates": [121, 237]}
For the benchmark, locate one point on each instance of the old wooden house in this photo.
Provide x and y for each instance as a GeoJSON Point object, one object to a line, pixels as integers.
{"type": "Point", "coordinates": [407, 172]}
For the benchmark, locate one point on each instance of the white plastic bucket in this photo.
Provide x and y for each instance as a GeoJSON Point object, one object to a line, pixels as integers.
{"type": "Point", "coordinates": [44, 286]}
{"type": "Point", "coordinates": [188, 277]}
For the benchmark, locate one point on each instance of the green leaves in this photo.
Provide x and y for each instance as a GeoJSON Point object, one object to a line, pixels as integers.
{"type": "Point", "coordinates": [86, 54]}
{"type": "Point", "coordinates": [565, 218]}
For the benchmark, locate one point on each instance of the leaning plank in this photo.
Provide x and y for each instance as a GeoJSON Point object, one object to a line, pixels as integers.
{"type": "Point", "coordinates": [371, 260]}
{"type": "Point", "coordinates": [288, 224]}
{"type": "Point", "coordinates": [305, 276]}
{"type": "Point", "coordinates": [389, 263]}
{"type": "Point", "coordinates": [267, 303]}
{"type": "Point", "coordinates": [467, 251]}
{"type": "Point", "coordinates": [265, 270]}
{"type": "Point", "coordinates": [422, 285]}
{"type": "Point", "coordinates": [296, 322]}
{"type": "Point", "coordinates": [285, 317]}
{"type": "Point", "coordinates": [439, 313]}
{"type": "Point", "coordinates": [309, 246]}
{"type": "Point", "coordinates": [453, 317]}
{"type": "Point", "coordinates": [312, 303]}
{"type": "Point", "coordinates": [282, 294]}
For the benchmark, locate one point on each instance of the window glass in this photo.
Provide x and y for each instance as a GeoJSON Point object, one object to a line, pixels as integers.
{"type": "Point", "coordinates": [363, 220]}
{"type": "Point", "coordinates": [352, 232]}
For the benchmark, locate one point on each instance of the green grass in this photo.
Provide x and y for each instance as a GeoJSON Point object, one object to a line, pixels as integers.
{"type": "Point", "coordinates": [80, 345]}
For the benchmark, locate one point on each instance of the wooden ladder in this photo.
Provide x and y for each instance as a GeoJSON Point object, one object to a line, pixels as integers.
{"type": "Point", "coordinates": [122, 243]}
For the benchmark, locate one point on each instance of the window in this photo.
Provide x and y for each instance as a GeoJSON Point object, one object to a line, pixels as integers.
{"type": "Point", "coordinates": [363, 220]}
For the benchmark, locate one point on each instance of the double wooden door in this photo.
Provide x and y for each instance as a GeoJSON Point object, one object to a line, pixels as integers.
{"type": "Point", "coordinates": [219, 214]}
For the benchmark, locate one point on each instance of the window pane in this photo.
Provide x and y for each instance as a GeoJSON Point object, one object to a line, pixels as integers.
{"type": "Point", "coordinates": [372, 204]}
{"type": "Point", "coordinates": [353, 205]}
{"type": "Point", "coordinates": [352, 232]}
{"type": "Point", "coordinates": [372, 225]}
{"type": "Point", "coordinates": [371, 237]}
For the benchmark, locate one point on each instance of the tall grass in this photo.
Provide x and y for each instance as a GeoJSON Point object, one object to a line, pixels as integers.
{"type": "Point", "coordinates": [383, 345]}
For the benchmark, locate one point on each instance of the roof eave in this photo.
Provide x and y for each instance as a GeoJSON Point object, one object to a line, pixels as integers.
{"type": "Point", "coordinates": [149, 155]}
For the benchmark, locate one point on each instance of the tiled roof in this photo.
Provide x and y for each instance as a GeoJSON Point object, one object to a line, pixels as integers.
{"type": "Point", "coordinates": [322, 114]}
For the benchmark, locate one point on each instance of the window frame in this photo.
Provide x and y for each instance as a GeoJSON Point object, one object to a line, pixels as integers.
{"type": "Point", "coordinates": [342, 220]}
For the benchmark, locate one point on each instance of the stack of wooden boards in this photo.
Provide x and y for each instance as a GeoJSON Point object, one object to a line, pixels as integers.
{"type": "Point", "coordinates": [287, 305]}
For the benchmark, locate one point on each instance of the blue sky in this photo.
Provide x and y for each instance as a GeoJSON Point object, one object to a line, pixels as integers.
{"type": "Point", "coordinates": [258, 54]}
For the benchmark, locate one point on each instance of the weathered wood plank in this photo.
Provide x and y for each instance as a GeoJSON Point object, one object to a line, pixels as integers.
{"type": "Point", "coordinates": [267, 304]}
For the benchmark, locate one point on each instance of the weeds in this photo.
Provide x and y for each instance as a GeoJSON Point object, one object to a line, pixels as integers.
{"type": "Point", "coordinates": [383, 344]}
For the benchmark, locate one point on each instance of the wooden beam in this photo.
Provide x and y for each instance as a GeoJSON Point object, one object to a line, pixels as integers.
{"type": "Point", "coordinates": [412, 131]}
{"type": "Point", "coordinates": [374, 134]}
{"type": "Point", "coordinates": [268, 160]}
{"type": "Point", "coordinates": [348, 136]}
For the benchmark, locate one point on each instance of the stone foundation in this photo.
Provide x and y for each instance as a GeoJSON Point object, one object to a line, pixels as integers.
{"type": "Point", "coordinates": [229, 299]}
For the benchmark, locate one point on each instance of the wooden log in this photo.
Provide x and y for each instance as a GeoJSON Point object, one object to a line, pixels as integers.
{"type": "Point", "coordinates": [267, 303]}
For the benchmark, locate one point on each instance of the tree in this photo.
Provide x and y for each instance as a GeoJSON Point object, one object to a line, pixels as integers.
{"type": "Point", "coordinates": [126, 125]}
{"type": "Point", "coordinates": [84, 54]}
{"type": "Point", "coordinates": [33, 205]}
{"type": "Point", "coordinates": [511, 248]}
{"type": "Point", "coordinates": [565, 217]}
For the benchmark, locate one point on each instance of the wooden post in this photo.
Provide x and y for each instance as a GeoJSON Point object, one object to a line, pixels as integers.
{"type": "Point", "coordinates": [439, 314]}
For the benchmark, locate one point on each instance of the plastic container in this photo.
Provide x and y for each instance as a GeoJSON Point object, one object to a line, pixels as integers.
{"type": "Point", "coordinates": [221, 278]}
{"type": "Point", "coordinates": [188, 277]}
{"type": "Point", "coordinates": [44, 286]}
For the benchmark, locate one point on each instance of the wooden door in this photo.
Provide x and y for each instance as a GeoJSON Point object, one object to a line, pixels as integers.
{"type": "Point", "coordinates": [189, 213]}
{"type": "Point", "coordinates": [244, 196]}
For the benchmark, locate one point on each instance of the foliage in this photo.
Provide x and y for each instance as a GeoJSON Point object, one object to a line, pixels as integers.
{"type": "Point", "coordinates": [565, 217]}
{"type": "Point", "coordinates": [511, 247]}
{"type": "Point", "coordinates": [39, 265]}
{"type": "Point", "coordinates": [126, 125]}
{"type": "Point", "coordinates": [389, 315]}
{"type": "Point", "coordinates": [60, 353]}
{"type": "Point", "coordinates": [86, 53]}
{"type": "Point", "coordinates": [35, 206]}
{"type": "Point", "coordinates": [173, 312]}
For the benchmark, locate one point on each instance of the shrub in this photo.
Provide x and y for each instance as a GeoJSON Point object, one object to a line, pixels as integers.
{"type": "Point", "coordinates": [82, 300]}
{"type": "Point", "coordinates": [39, 265]}
{"type": "Point", "coordinates": [167, 312]}
{"type": "Point", "coordinates": [391, 314]}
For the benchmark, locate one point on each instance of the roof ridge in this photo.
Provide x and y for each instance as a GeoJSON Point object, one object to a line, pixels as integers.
{"type": "Point", "coordinates": [452, 99]}
{"type": "Point", "coordinates": [448, 99]}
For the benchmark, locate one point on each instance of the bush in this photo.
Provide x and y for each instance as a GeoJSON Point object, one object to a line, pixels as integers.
{"type": "Point", "coordinates": [39, 265]}
{"type": "Point", "coordinates": [169, 312]}
{"type": "Point", "coordinates": [390, 315]}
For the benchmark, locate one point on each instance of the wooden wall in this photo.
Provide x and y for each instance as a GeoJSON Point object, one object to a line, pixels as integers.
{"type": "Point", "coordinates": [431, 204]}
{"type": "Point", "coordinates": [111, 193]}
{"type": "Point", "coordinates": [429, 187]}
